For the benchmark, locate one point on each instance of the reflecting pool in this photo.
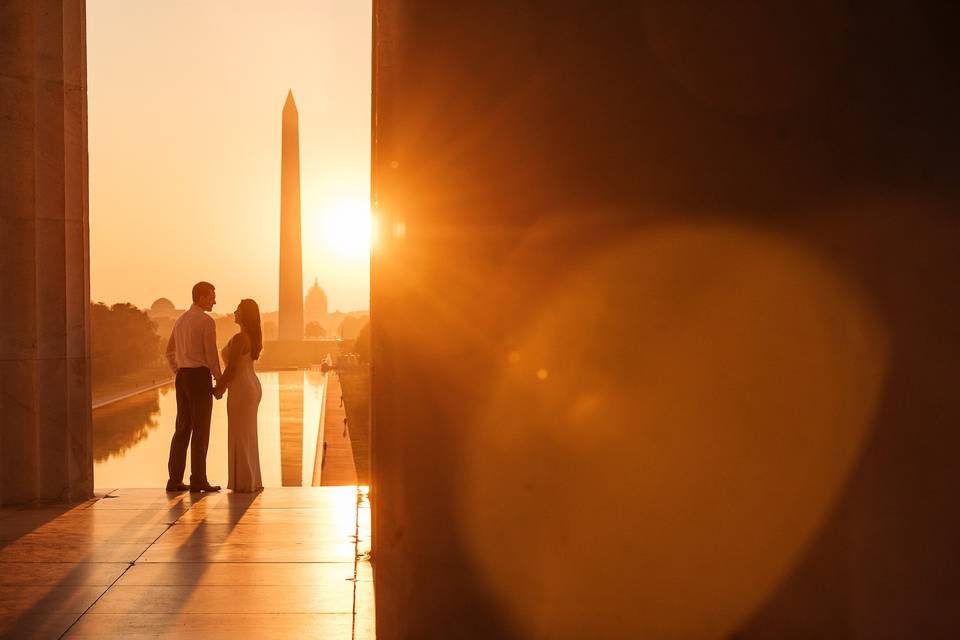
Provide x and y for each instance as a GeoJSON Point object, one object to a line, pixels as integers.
{"type": "Point", "coordinates": [131, 437]}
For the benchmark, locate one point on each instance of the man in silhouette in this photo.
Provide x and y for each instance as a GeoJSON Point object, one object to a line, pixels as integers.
{"type": "Point", "coordinates": [192, 354]}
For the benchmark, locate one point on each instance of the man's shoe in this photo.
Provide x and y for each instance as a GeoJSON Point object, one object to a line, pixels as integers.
{"type": "Point", "coordinates": [204, 487]}
{"type": "Point", "coordinates": [177, 487]}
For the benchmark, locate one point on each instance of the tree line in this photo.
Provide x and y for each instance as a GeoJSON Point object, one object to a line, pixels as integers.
{"type": "Point", "coordinates": [122, 339]}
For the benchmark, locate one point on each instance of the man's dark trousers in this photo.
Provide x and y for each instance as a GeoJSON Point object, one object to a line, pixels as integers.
{"type": "Point", "coordinates": [194, 406]}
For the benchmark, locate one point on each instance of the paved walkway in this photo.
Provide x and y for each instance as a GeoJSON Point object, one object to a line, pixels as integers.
{"type": "Point", "coordinates": [141, 563]}
{"type": "Point", "coordinates": [336, 466]}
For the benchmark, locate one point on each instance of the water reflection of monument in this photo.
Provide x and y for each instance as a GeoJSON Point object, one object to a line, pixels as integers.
{"type": "Point", "coordinates": [291, 428]}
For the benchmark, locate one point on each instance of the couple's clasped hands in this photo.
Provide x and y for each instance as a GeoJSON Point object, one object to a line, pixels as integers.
{"type": "Point", "coordinates": [219, 390]}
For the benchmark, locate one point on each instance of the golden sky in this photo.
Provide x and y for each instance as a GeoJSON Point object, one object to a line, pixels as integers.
{"type": "Point", "coordinates": [185, 100]}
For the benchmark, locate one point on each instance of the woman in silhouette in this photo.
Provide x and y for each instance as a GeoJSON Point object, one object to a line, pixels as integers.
{"type": "Point", "coordinates": [243, 399]}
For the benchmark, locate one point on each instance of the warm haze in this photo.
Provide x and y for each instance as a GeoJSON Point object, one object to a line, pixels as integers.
{"type": "Point", "coordinates": [185, 101]}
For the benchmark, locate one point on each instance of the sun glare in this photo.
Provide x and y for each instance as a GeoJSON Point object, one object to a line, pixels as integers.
{"type": "Point", "coordinates": [348, 230]}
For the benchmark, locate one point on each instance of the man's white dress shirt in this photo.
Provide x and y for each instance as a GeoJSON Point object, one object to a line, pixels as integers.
{"type": "Point", "coordinates": [193, 342]}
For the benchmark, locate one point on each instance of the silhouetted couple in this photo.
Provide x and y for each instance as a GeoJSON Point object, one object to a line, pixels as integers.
{"type": "Point", "coordinates": [192, 353]}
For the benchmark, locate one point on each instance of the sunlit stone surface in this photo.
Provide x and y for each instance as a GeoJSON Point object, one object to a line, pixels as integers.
{"type": "Point", "coordinates": [285, 563]}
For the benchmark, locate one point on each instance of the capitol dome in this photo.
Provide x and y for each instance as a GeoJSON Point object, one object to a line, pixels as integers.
{"type": "Point", "coordinates": [315, 304]}
{"type": "Point", "coordinates": [162, 306]}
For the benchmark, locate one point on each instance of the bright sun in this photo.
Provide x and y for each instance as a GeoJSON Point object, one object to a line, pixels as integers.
{"type": "Point", "coordinates": [348, 229]}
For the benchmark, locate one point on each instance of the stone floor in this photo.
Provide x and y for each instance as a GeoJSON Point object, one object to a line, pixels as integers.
{"type": "Point", "coordinates": [141, 563]}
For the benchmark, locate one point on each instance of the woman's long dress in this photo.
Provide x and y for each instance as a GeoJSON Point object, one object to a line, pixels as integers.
{"type": "Point", "coordinates": [243, 400]}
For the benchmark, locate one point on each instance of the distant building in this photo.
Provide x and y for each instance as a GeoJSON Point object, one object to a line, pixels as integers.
{"type": "Point", "coordinates": [351, 325]}
{"type": "Point", "coordinates": [315, 305]}
{"type": "Point", "coordinates": [162, 307]}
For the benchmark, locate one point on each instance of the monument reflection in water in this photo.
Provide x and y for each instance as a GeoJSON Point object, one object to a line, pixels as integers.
{"type": "Point", "coordinates": [131, 438]}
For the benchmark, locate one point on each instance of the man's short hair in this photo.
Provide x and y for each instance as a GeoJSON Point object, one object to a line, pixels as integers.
{"type": "Point", "coordinates": [202, 289]}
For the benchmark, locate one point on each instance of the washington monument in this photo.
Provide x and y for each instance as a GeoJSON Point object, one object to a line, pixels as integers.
{"type": "Point", "coordinates": [291, 268]}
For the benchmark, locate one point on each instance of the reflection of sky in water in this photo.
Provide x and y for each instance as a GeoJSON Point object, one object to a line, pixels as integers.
{"type": "Point", "coordinates": [131, 438]}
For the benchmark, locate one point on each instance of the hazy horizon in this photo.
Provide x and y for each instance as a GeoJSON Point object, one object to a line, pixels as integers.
{"type": "Point", "coordinates": [185, 101]}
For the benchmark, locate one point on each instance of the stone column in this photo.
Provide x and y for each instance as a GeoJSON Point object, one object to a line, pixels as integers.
{"type": "Point", "coordinates": [46, 435]}
{"type": "Point", "coordinates": [665, 324]}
